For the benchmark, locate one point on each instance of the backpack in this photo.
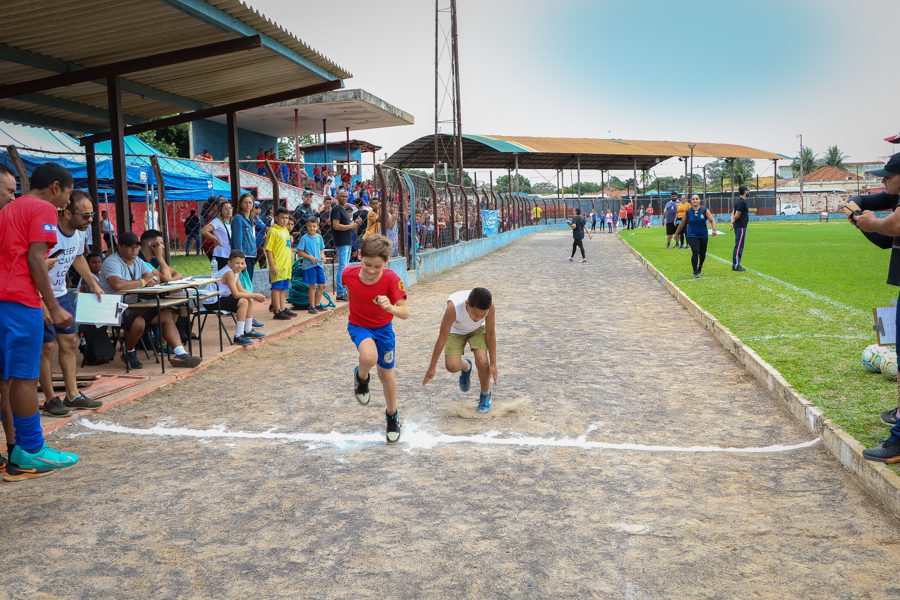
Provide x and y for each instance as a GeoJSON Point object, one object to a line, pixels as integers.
{"type": "Point", "coordinates": [95, 344]}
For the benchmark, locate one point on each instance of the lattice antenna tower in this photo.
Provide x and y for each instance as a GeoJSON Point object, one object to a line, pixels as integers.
{"type": "Point", "coordinates": [447, 111]}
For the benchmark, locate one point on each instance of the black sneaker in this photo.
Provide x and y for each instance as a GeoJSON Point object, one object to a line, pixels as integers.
{"type": "Point", "coordinates": [185, 360]}
{"type": "Point", "coordinates": [360, 388]}
{"type": "Point", "coordinates": [282, 316]}
{"type": "Point", "coordinates": [883, 453]}
{"type": "Point", "coordinates": [889, 417]}
{"type": "Point", "coordinates": [15, 473]}
{"type": "Point", "coordinates": [312, 310]}
{"type": "Point", "coordinates": [341, 297]}
{"type": "Point", "coordinates": [738, 268]}
{"type": "Point", "coordinates": [289, 312]}
{"type": "Point", "coordinates": [81, 402]}
{"type": "Point", "coordinates": [56, 408]}
{"type": "Point", "coordinates": [393, 427]}
{"type": "Point", "coordinates": [131, 359]}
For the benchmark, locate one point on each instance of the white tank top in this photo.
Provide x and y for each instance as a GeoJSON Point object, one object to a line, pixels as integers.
{"type": "Point", "coordinates": [224, 290]}
{"type": "Point", "coordinates": [464, 323]}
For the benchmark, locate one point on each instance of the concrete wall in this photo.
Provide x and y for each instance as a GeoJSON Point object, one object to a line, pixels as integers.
{"type": "Point", "coordinates": [214, 137]}
{"type": "Point", "coordinates": [431, 262]}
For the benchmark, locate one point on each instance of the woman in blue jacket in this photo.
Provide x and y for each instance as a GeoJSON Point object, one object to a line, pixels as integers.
{"type": "Point", "coordinates": [243, 233]}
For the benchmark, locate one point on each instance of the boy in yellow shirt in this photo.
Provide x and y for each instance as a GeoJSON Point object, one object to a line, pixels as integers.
{"type": "Point", "coordinates": [278, 254]}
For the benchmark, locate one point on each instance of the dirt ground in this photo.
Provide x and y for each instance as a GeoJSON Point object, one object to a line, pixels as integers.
{"type": "Point", "coordinates": [594, 352]}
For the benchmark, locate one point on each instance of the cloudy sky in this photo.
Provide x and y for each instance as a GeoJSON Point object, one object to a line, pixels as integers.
{"type": "Point", "coordinates": [753, 72]}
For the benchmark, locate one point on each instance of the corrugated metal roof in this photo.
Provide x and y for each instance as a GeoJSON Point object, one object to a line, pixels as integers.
{"type": "Point", "coordinates": [494, 151]}
{"type": "Point", "coordinates": [55, 36]}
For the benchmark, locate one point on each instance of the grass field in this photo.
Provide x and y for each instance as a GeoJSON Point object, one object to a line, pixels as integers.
{"type": "Point", "coordinates": [191, 265]}
{"type": "Point", "coordinates": [805, 306]}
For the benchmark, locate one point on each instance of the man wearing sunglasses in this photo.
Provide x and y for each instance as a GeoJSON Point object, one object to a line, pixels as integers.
{"type": "Point", "coordinates": [886, 227]}
{"type": "Point", "coordinates": [73, 229]}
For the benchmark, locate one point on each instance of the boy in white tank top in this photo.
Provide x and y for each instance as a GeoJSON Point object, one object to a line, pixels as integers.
{"type": "Point", "coordinates": [468, 319]}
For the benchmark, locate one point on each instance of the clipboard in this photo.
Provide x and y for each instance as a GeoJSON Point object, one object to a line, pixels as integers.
{"type": "Point", "coordinates": [885, 325]}
{"type": "Point", "coordinates": [107, 310]}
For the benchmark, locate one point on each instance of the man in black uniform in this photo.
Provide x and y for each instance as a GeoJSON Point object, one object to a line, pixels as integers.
{"type": "Point", "coordinates": [739, 219]}
{"type": "Point", "coordinates": [880, 231]}
{"type": "Point", "coordinates": [578, 230]}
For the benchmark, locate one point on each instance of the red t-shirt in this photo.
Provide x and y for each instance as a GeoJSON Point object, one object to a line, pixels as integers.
{"type": "Point", "coordinates": [629, 210]}
{"type": "Point", "coordinates": [345, 177]}
{"type": "Point", "coordinates": [23, 222]}
{"type": "Point", "coordinates": [364, 311]}
{"type": "Point", "coordinates": [260, 161]}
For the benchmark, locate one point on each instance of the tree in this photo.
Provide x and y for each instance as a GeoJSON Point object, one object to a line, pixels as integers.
{"type": "Point", "coordinates": [615, 183]}
{"type": "Point", "coordinates": [809, 160]}
{"type": "Point", "coordinates": [834, 158]}
{"type": "Point", "coordinates": [543, 187]}
{"type": "Point", "coordinates": [171, 141]}
{"type": "Point", "coordinates": [286, 146]}
{"type": "Point", "coordinates": [721, 169]}
{"type": "Point", "coordinates": [587, 187]}
{"type": "Point", "coordinates": [503, 184]}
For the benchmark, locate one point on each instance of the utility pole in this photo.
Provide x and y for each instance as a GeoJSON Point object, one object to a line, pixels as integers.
{"type": "Point", "coordinates": [457, 124]}
{"type": "Point", "coordinates": [436, 77]}
{"type": "Point", "coordinates": [800, 160]}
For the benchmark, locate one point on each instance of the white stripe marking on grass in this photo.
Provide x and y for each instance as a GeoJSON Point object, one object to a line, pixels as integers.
{"type": "Point", "coordinates": [415, 438]}
{"type": "Point", "coordinates": [799, 290]}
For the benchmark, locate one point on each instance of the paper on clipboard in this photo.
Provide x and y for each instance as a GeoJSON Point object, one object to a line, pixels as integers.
{"type": "Point", "coordinates": [105, 311]}
{"type": "Point", "coordinates": [885, 325]}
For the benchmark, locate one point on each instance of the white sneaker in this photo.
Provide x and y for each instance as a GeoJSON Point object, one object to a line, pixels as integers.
{"type": "Point", "coordinates": [570, 259]}
{"type": "Point", "coordinates": [584, 260]}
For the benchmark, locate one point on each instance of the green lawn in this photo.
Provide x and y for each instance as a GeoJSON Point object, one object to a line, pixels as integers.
{"type": "Point", "coordinates": [805, 307]}
{"type": "Point", "coordinates": [191, 265]}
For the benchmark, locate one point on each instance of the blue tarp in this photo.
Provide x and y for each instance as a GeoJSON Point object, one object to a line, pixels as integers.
{"type": "Point", "coordinates": [183, 178]}
{"type": "Point", "coordinates": [490, 220]}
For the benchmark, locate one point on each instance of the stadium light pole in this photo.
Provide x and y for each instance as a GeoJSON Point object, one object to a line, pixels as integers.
{"type": "Point", "coordinates": [691, 178]}
{"type": "Point", "coordinates": [704, 182]}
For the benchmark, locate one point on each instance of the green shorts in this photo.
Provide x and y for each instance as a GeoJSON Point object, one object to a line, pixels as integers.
{"type": "Point", "coordinates": [456, 343]}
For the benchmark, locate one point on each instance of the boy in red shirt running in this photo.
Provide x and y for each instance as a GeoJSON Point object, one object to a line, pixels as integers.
{"type": "Point", "coordinates": [377, 295]}
{"type": "Point", "coordinates": [28, 230]}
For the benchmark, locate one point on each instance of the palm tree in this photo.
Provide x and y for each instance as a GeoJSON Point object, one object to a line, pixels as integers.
{"type": "Point", "coordinates": [834, 157]}
{"type": "Point", "coordinates": [743, 170]}
{"type": "Point", "coordinates": [646, 179]}
{"type": "Point", "coordinates": [809, 159]}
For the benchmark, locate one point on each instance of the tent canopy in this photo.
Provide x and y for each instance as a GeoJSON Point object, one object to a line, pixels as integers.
{"type": "Point", "coordinates": [184, 180]}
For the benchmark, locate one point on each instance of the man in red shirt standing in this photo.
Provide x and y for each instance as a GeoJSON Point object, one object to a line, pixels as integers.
{"type": "Point", "coordinates": [28, 230]}
{"type": "Point", "coordinates": [629, 215]}
{"type": "Point", "coordinates": [261, 162]}
{"type": "Point", "coordinates": [7, 186]}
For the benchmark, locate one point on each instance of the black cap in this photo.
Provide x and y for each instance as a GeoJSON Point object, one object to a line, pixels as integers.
{"type": "Point", "coordinates": [129, 239]}
{"type": "Point", "coordinates": [891, 167]}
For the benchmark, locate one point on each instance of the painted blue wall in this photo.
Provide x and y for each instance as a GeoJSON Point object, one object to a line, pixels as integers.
{"type": "Point", "coordinates": [336, 152]}
{"type": "Point", "coordinates": [214, 137]}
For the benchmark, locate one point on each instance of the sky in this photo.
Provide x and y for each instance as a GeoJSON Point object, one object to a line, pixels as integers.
{"type": "Point", "coordinates": [751, 72]}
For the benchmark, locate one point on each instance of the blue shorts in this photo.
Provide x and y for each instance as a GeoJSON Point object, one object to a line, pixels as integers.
{"type": "Point", "coordinates": [282, 285]}
{"type": "Point", "coordinates": [314, 275]}
{"type": "Point", "coordinates": [383, 338]}
{"type": "Point", "coordinates": [20, 341]}
{"type": "Point", "coordinates": [51, 330]}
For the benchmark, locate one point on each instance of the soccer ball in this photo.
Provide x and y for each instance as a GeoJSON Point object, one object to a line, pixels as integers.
{"type": "Point", "coordinates": [872, 358]}
{"type": "Point", "coordinates": [889, 365]}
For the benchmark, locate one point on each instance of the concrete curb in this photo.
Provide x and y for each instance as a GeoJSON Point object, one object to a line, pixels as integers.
{"type": "Point", "coordinates": [160, 382]}
{"type": "Point", "coordinates": [875, 477]}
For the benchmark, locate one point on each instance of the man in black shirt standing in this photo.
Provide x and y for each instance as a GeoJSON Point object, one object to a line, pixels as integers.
{"type": "Point", "coordinates": [884, 228]}
{"type": "Point", "coordinates": [192, 231]}
{"type": "Point", "coordinates": [342, 227]}
{"type": "Point", "coordinates": [578, 230]}
{"type": "Point", "coordinates": [739, 220]}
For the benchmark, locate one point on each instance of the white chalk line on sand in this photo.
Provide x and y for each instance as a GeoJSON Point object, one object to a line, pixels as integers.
{"type": "Point", "coordinates": [420, 439]}
{"type": "Point", "coordinates": [794, 288]}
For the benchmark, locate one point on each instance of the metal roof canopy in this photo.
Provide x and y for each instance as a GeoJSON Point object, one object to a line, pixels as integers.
{"type": "Point", "coordinates": [171, 55]}
{"type": "Point", "coordinates": [492, 152]}
{"type": "Point", "coordinates": [361, 145]}
{"type": "Point", "coordinates": [340, 109]}
{"type": "Point", "coordinates": [122, 30]}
